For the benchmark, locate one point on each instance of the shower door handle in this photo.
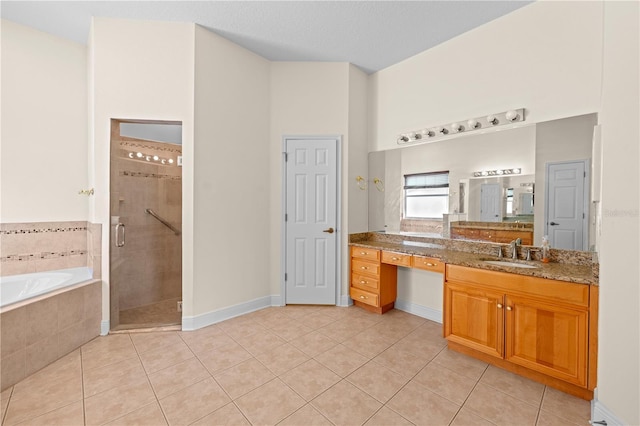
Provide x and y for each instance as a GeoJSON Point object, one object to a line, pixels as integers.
{"type": "Point", "coordinates": [120, 242]}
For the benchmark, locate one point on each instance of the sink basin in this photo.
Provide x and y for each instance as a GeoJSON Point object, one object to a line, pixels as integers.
{"type": "Point", "coordinates": [509, 264]}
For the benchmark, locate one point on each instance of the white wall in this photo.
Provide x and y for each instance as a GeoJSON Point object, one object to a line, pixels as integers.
{"type": "Point", "coordinates": [44, 127]}
{"type": "Point", "coordinates": [231, 174]}
{"type": "Point", "coordinates": [544, 57]}
{"type": "Point", "coordinates": [357, 158]}
{"type": "Point", "coordinates": [141, 70]}
{"type": "Point", "coordinates": [619, 332]}
{"type": "Point", "coordinates": [306, 99]}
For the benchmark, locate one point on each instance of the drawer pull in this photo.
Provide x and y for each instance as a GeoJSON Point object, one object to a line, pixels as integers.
{"type": "Point", "coordinates": [363, 297]}
{"type": "Point", "coordinates": [363, 282]}
{"type": "Point", "coordinates": [509, 308]}
{"type": "Point", "coordinates": [430, 264]}
{"type": "Point", "coordinates": [363, 267]}
{"type": "Point", "coordinates": [394, 258]}
{"type": "Point", "coordinates": [363, 253]}
{"type": "Point", "coordinates": [499, 305]}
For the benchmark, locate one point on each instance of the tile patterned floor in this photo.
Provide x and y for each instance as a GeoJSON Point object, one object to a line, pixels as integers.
{"type": "Point", "coordinates": [157, 314]}
{"type": "Point", "coordinates": [298, 365]}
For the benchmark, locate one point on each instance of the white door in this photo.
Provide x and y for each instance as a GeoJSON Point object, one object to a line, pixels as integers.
{"type": "Point", "coordinates": [311, 221]}
{"type": "Point", "coordinates": [565, 207]}
{"type": "Point", "coordinates": [490, 203]}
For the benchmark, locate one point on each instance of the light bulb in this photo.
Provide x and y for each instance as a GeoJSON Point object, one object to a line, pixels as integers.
{"type": "Point", "coordinates": [473, 123]}
{"type": "Point", "coordinates": [456, 128]}
{"type": "Point", "coordinates": [516, 171]}
{"type": "Point", "coordinates": [131, 155]}
{"type": "Point", "coordinates": [442, 130]}
{"type": "Point", "coordinates": [511, 115]}
{"type": "Point", "coordinates": [499, 172]}
{"type": "Point", "coordinates": [148, 158]}
{"type": "Point", "coordinates": [170, 160]}
{"type": "Point", "coordinates": [139, 154]}
{"type": "Point", "coordinates": [156, 158]}
{"type": "Point", "coordinates": [485, 173]}
{"type": "Point", "coordinates": [492, 119]}
{"type": "Point", "coordinates": [164, 161]}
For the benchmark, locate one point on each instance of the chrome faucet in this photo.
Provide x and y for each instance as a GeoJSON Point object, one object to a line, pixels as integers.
{"type": "Point", "coordinates": [514, 245]}
{"type": "Point", "coordinates": [499, 252]}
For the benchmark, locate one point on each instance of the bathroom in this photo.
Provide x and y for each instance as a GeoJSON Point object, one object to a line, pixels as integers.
{"type": "Point", "coordinates": [232, 148]}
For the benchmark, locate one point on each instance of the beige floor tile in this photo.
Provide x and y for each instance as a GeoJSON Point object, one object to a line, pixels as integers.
{"type": "Point", "coordinates": [100, 353]}
{"type": "Point", "coordinates": [149, 415]}
{"type": "Point", "coordinates": [400, 361]}
{"type": "Point", "coordinates": [157, 359]}
{"type": "Point", "coordinates": [460, 363]}
{"type": "Point", "coordinates": [71, 414]}
{"type": "Point", "coordinates": [339, 331]}
{"type": "Point", "coordinates": [194, 402]}
{"type": "Point", "coordinates": [341, 360]}
{"type": "Point", "coordinates": [290, 331]}
{"type": "Point", "coordinates": [566, 406]}
{"type": "Point", "coordinates": [500, 408]}
{"type": "Point", "coordinates": [36, 402]}
{"type": "Point", "coordinates": [270, 403]}
{"type": "Point", "coordinates": [307, 416]}
{"type": "Point", "coordinates": [310, 379]}
{"type": "Point", "coordinates": [345, 404]}
{"type": "Point", "coordinates": [517, 386]}
{"type": "Point", "coordinates": [431, 331]}
{"type": "Point", "coordinates": [422, 348]}
{"type": "Point", "coordinates": [378, 381]}
{"type": "Point", "coordinates": [282, 358]}
{"type": "Point", "coordinates": [229, 415]}
{"type": "Point", "coordinates": [244, 377]}
{"type": "Point", "coordinates": [300, 311]}
{"type": "Point", "coordinates": [64, 369]}
{"type": "Point", "coordinates": [225, 357]}
{"type": "Point", "coordinates": [446, 383]}
{"type": "Point", "coordinates": [547, 419]}
{"type": "Point", "coordinates": [368, 344]}
{"type": "Point", "coordinates": [317, 320]}
{"type": "Point", "coordinates": [202, 344]}
{"type": "Point", "coordinates": [4, 401]}
{"type": "Point", "coordinates": [314, 343]}
{"type": "Point", "coordinates": [387, 417]}
{"type": "Point", "coordinates": [466, 417]}
{"type": "Point", "coordinates": [238, 328]}
{"type": "Point", "coordinates": [260, 342]}
{"type": "Point", "coordinates": [393, 330]}
{"type": "Point", "coordinates": [177, 377]}
{"type": "Point", "coordinates": [422, 407]}
{"type": "Point", "coordinates": [104, 378]}
{"type": "Point", "coordinates": [118, 401]}
{"type": "Point", "coordinates": [145, 342]}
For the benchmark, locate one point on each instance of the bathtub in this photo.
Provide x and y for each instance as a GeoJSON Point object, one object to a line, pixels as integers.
{"type": "Point", "coordinates": [16, 288]}
{"type": "Point", "coordinates": [43, 317]}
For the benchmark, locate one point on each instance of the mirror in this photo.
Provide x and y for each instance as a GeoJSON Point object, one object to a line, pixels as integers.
{"type": "Point", "coordinates": [497, 199]}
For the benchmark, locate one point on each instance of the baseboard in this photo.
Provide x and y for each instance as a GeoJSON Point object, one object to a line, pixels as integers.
{"type": "Point", "coordinates": [105, 326]}
{"type": "Point", "coordinates": [345, 301]}
{"type": "Point", "coordinates": [208, 318]}
{"type": "Point", "coordinates": [419, 310]}
{"type": "Point", "coordinates": [276, 300]}
{"type": "Point", "coordinates": [601, 413]}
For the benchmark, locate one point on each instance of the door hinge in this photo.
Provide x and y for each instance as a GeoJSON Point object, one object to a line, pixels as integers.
{"type": "Point", "coordinates": [286, 156]}
{"type": "Point", "coordinates": [286, 217]}
{"type": "Point", "coordinates": [584, 174]}
{"type": "Point", "coordinates": [583, 216]}
{"type": "Point", "coordinates": [285, 276]}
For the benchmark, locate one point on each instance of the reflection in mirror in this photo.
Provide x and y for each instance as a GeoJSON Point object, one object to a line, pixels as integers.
{"type": "Point", "coordinates": [499, 202]}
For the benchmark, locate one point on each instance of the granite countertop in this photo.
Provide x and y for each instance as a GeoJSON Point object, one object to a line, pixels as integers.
{"type": "Point", "coordinates": [574, 273]}
{"type": "Point", "coordinates": [513, 227]}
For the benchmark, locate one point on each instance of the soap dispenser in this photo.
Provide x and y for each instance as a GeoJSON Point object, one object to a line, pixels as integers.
{"type": "Point", "coordinates": [545, 249]}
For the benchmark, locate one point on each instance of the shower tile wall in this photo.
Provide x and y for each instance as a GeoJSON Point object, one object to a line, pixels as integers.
{"type": "Point", "coordinates": [148, 269]}
{"type": "Point", "coordinates": [48, 246]}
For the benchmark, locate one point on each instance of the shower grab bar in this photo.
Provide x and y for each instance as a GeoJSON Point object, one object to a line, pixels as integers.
{"type": "Point", "coordinates": [164, 222]}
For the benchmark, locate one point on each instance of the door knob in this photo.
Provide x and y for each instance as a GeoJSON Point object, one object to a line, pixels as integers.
{"type": "Point", "coordinates": [554, 224]}
{"type": "Point", "coordinates": [328, 231]}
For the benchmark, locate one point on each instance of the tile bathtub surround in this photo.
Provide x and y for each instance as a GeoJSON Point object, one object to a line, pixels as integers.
{"type": "Point", "coordinates": [47, 246]}
{"type": "Point", "coordinates": [230, 373]}
{"type": "Point", "coordinates": [37, 334]}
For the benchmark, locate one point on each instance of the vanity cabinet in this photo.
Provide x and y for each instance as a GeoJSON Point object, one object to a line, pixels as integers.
{"type": "Point", "coordinates": [539, 328]}
{"type": "Point", "coordinates": [501, 236]}
{"type": "Point", "coordinates": [373, 283]}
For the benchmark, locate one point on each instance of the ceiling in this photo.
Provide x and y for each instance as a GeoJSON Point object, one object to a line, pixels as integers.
{"type": "Point", "coordinates": [370, 34]}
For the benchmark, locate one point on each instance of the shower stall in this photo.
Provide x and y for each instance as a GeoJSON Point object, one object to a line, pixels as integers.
{"type": "Point", "coordinates": [146, 219]}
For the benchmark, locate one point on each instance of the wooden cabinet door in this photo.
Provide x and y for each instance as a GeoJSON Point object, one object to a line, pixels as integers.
{"type": "Point", "coordinates": [551, 339]}
{"type": "Point", "coordinates": [474, 317]}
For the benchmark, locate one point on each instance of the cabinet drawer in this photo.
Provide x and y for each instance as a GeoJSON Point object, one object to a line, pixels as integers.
{"type": "Point", "coordinates": [364, 297]}
{"type": "Point", "coordinates": [396, 258]}
{"type": "Point", "coordinates": [364, 267]}
{"type": "Point", "coordinates": [365, 282]}
{"type": "Point", "coordinates": [428, 264]}
{"type": "Point", "coordinates": [365, 253]}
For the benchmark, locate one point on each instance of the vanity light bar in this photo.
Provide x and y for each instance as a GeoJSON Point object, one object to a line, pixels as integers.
{"type": "Point", "coordinates": [470, 125]}
{"type": "Point", "coordinates": [150, 157]}
{"type": "Point", "coordinates": [500, 172]}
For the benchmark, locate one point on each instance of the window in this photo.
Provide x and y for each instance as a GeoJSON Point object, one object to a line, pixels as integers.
{"type": "Point", "coordinates": [426, 195]}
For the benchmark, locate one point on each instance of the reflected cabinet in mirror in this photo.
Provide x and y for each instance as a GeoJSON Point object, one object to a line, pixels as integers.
{"type": "Point", "coordinates": [524, 182]}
